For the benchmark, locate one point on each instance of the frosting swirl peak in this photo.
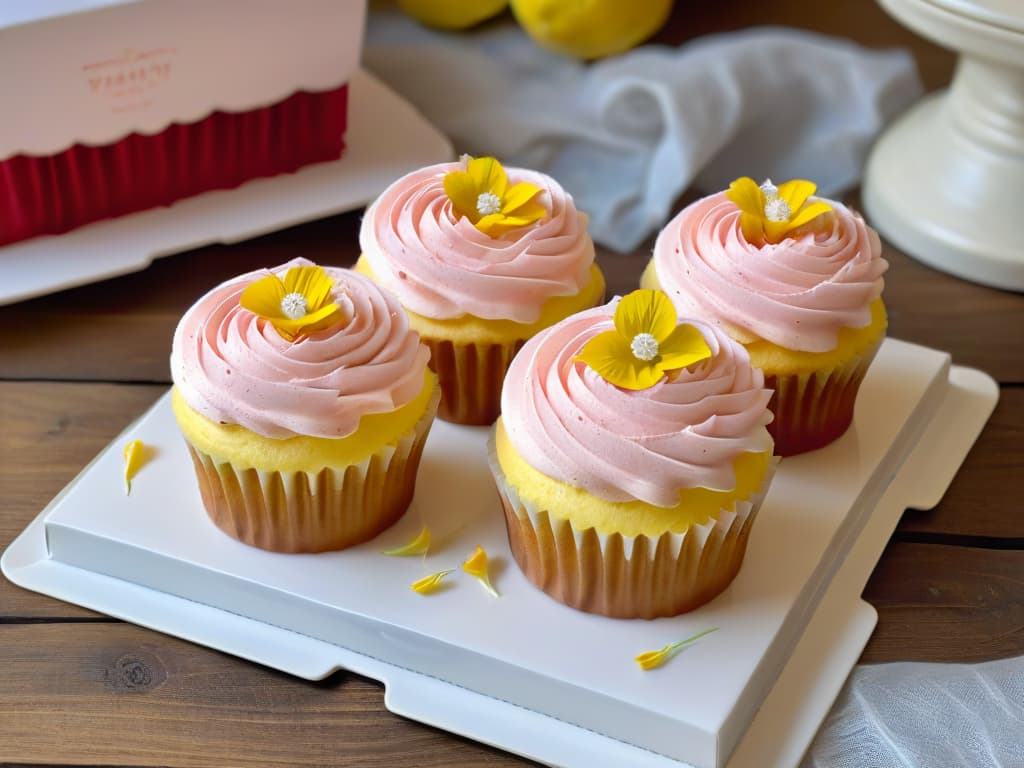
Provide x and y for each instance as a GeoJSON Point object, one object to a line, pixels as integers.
{"type": "Point", "coordinates": [233, 367]}
{"type": "Point", "coordinates": [442, 267]}
{"type": "Point", "coordinates": [798, 293]}
{"type": "Point", "coordinates": [684, 432]}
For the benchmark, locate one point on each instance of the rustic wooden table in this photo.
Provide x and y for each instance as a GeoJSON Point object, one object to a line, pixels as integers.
{"type": "Point", "coordinates": [78, 366]}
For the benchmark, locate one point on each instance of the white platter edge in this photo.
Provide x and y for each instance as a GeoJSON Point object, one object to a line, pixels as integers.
{"type": "Point", "coordinates": [386, 138]}
{"type": "Point", "coordinates": [779, 733]}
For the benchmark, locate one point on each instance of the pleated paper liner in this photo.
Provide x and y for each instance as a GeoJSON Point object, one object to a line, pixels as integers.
{"type": "Point", "coordinates": [813, 409]}
{"type": "Point", "coordinates": [304, 512]}
{"type": "Point", "coordinates": [470, 376]}
{"type": "Point", "coordinates": [53, 194]}
{"type": "Point", "coordinates": [627, 577]}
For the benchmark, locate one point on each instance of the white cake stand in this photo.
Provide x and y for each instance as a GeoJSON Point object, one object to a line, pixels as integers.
{"type": "Point", "coordinates": [946, 182]}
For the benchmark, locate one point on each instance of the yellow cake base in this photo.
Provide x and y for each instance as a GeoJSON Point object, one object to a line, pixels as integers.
{"type": "Point", "coordinates": [623, 576]}
{"type": "Point", "coordinates": [325, 494]}
{"type": "Point", "coordinates": [471, 354]}
{"type": "Point", "coordinates": [629, 518]}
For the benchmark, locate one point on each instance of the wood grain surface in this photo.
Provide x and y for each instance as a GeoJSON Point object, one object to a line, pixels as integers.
{"type": "Point", "coordinates": [78, 366]}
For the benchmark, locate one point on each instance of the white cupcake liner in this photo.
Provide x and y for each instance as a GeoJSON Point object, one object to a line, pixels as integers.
{"type": "Point", "coordinates": [626, 576]}
{"type": "Point", "coordinates": [300, 511]}
{"type": "Point", "coordinates": [813, 409]}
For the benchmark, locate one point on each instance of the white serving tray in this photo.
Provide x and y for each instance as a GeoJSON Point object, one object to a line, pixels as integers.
{"type": "Point", "coordinates": [522, 672]}
{"type": "Point", "coordinates": [386, 138]}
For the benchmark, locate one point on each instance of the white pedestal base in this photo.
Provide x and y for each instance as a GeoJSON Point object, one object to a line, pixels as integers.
{"type": "Point", "coordinates": [946, 182]}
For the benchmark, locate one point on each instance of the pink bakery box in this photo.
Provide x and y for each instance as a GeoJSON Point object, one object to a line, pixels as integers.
{"type": "Point", "coordinates": [117, 106]}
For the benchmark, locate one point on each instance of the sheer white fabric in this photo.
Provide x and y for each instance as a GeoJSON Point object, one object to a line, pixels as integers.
{"type": "Point", "coordinates": [926, 716]}
{"type": "Point", "coordinates": [627, 135]}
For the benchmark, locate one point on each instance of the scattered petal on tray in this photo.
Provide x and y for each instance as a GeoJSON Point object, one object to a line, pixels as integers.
{"type": "Point", "coordinates": [430, 583]}
{"type": "Point", "coordinates": [416, 546]}
{"type": "Point", "coordinates": [476, 566]}
{"type": "Point", "coordinates": [654, 659]}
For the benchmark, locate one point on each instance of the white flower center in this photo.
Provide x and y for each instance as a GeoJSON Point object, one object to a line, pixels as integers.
{"type": "Point", "coordinates": [488, 203]}
{"type": "Point", "coordinates": [294, 306]}
{"type": "Point", "coordinates": [777, 209]}
{"type": "Point", "coordinates": [644, 346]}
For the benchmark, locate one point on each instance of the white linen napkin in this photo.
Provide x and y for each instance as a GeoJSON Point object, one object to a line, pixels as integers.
{"type": "Point", "coordinates": [626, 135]}
{"type": "Point", "coordinates": [909, 715]}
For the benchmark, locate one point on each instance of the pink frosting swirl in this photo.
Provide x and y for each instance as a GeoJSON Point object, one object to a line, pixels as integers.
{"type": "Point", "coordinates": [441, 266]}
{"type": "Point", "coordinates": [797, 293]}
{"type": "Point", "coordinates": [234, 368]}
{"type": "Point", "coordinates": [572, 425]}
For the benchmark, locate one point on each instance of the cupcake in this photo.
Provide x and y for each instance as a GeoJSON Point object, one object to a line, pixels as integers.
{"type": "Point", "coordinates": [482, 260]}
{"type": "Point", "coordinates": [305, 400]}
{"type": "Point", "coordinates": [798, 281]}
{"type": "Point", "coordinates": [631, 458]}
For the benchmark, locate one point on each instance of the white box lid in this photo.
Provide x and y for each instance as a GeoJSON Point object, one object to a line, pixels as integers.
{"type": "Point", "coordinates": [94, 71]}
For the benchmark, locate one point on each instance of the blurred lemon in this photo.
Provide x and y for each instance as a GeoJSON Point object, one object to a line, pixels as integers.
{"type": "Point", "coordinates": [452, 14]}
{"type": "Point", "coordinates": [591, 29]}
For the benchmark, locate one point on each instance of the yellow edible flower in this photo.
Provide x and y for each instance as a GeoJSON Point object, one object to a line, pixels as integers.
{"type": "Point", "coordinates": [770, 213]}
{"type": "Point", "coordinates": [134, 458]}
{"type": "Point", "coordinates": [654, 659]}
{"type": "Point", "coordinates": [430, 583]}
{"type": "Point", "coordinates": [296, 306]}
{"type": "Point", "coordinates": [646, 344]}
{"type": "Point", "coordinates": [416, 546]}
{"type": "Point", "coordinates": [481, 193]}
{"type": "Point", "coordinates": [476, 566]}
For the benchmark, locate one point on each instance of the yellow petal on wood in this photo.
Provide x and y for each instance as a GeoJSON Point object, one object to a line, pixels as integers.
{"type": "Point", "coordinates": [134, 458]}
{"type": "Point", "coordinates": [430, 583]}
{"type": "Point", "coordinates": [654, 659]}
{"type": "Point", "coordinates": [476, 566]}
{"type": "Point", "coordinates": [416, 546]}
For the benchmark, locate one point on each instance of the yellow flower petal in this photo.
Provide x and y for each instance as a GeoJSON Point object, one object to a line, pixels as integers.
{"type": "Point", "coordinates": [654, 659]}
{"type": "Point", "coordinates": [684, 346]}
{"type": "Point", "coordinates": [488, 176]}
{"type": "Point", "coordinates": [776, 231]}
{"type": "Point", "coordinates": [529, 212]}
{"type": "Point", "coordinates": [747, 196]}
{"type": "Point", "coordinates": [263, 297]}
{"type": "Point", "coordinates": [134, 457]}
{"type": "Point", "coordinates": [752, 228]}
{"type": "Point", "coordinates": [516, 207]}
{"type": "Point", "coordinates": [312, 282]}
{"type": "Point", "coordinates": [518, 196]}
{"type": "Point", "coordinates": [462, 191]}
{"type": "Point", "coordinates": [795, 192]}
{"type": "Point", "coordinates": [430, 583]}
{"type": "Point", "coordinates": [612, 359]}
{"type": "Point", "coordinates": [809, 213]}
{"type": "Point", "coordinates": [645, 311]}
{"type": "Point", "coordinates": [476, 566]}
{"type": "Point", "coordinates": [416, 546]}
